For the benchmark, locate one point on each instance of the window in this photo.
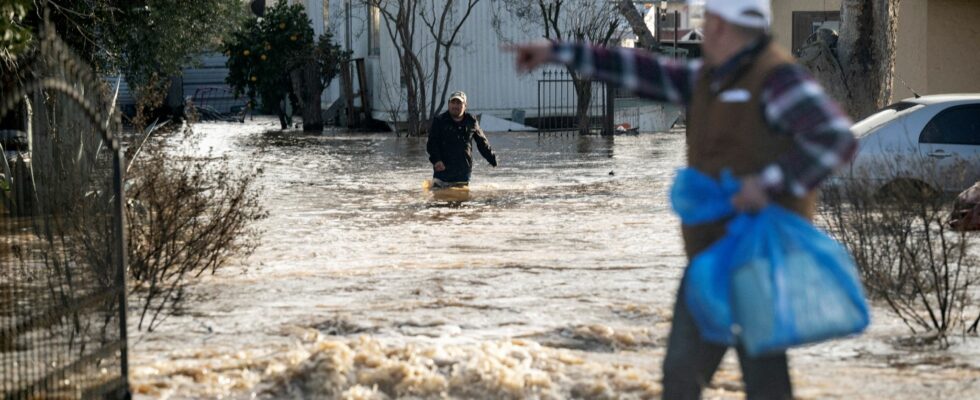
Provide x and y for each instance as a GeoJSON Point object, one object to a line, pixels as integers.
{"type": "Point", "coordinates": [956, 125]}
{"type": "Point", "coordinates": [374, 32]}
{"type": "Point", "coordinates": [805, 23]}
{"type": "Point", "coordinates": [326, 15]}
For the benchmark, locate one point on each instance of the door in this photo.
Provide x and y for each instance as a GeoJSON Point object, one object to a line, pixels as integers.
{"type": "Point", "coordinates": [950, 142]}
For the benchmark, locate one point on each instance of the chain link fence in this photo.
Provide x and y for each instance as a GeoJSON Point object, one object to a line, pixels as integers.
{"type": "Point", "coordinates": [62, 282]}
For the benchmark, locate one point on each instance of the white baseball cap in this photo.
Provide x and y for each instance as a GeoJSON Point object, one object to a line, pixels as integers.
{"type": "Point", "coordinates": [458, 95]}
{"type": "Point", "coordinates": [747, 13]}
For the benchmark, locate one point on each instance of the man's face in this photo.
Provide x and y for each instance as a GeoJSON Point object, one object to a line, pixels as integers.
{"type": "Point", "coordinates": [456, 108]}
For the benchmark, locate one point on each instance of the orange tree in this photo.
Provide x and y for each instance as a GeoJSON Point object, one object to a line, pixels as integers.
{"type": "Point", "coordinates": [263, 53]}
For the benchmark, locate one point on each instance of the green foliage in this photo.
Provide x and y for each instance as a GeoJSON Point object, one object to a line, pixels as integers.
{"type": "Point", "coordinates": [14, 37]}
{"type": "Point", "coordinates": [329, 57]}
{"type": "Point", "coordinates": [159, 37]}
{"type": "Point", "coordinates": [145, 41]}
{"type": "Point", "coordinates": [264, 51]}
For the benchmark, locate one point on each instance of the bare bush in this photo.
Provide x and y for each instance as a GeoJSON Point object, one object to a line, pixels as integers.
{"type": "Point", "coordinates": [898, 230]}
{"type": "Point", "coordinates": [186, 216]}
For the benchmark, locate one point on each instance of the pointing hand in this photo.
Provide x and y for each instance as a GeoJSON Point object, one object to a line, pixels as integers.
{"type": "Point", "coordinates": [530, 55]}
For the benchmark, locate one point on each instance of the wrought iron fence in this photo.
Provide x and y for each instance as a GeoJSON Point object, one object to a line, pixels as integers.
{"type": "Point", "coordinates": [62, 256]}
{"type": "Point", "coordinates": [563, 107]}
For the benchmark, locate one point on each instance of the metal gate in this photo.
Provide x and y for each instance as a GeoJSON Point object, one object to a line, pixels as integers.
{"type": "Point", "coordinates": [218, 104]}
{"type": "Point", "coordinates": [62, 256]}
{"type": "Point", "coordinates": [558, 101]}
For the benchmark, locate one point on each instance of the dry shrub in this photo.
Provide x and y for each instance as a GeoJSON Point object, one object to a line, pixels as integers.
{"type": "Point", "coordinates": [901, 237]}
{"type": "Point", "coordinates": [186, 216]}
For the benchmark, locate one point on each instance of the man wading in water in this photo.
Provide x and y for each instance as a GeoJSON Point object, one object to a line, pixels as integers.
{"type": "Point", "coordinates": [752, 109]}
{"type": "Point", "coordinates": [450, 144]}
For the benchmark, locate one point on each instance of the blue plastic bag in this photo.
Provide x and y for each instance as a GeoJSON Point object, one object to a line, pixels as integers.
{"type": "Point", "coordinates": [772, 282]}
{"type": "Point", "coordinates": [698, 198]}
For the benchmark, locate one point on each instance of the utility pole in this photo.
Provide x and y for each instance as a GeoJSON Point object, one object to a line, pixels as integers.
{"type": "Point", "coordinates": [661, 18]}
{"type": "Point", "coordinates": [677, 21]}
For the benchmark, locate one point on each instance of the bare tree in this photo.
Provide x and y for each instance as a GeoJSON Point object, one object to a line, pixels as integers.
{"type": "Point", "coordinates": [425, 57]}
{"type": "Point", "coordinates": [907, 249]}
{"type": "Point", "coordinates": [858, 67]}
{"type": "Point", "coordinates": [577, 20]}
{"type": "Point", "coordinates": [633, 17]}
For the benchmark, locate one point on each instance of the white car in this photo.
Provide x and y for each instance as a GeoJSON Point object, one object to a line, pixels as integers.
{"type": "Point", "coordinates": [929, 142]}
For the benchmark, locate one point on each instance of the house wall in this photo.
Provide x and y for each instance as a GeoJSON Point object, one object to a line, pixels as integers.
{"type": "Point", "coordinates": [782, 16]}
{"type": "Point", "coordinates": [910, 60]}
{"type": "Point", "coordinates": [911, 64]}
{"type": "Point", "coordinates": [480, 69]}
{"type": "Point", "coordinates": [954, 46]}
{"type": "Point", "coordinates": [337, 23]}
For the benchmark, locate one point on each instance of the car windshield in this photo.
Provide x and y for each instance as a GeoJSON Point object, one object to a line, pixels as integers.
{"type": "Point", "coordinates": [883, 116]}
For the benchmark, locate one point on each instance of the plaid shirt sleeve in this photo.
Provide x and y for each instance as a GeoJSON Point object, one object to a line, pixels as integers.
{"type": "Point", "coordinates": [795, 104]}
{"type": "Point", "coordinates": [644, 73]}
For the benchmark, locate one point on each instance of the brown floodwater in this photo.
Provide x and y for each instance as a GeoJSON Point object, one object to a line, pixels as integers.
{"type": "Point", "coordinates": [554, 279]}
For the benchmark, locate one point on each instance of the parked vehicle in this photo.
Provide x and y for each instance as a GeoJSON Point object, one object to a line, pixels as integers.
{"type": "Point", "coordinates": [930, 143]}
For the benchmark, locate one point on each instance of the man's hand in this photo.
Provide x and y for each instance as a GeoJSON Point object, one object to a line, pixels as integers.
{"type": "Point", "coordinates": [752, 197]}
{"type": "Point", "coordinates": [439, 166]}
{"type": "Point", "coordinates": [530, 55]}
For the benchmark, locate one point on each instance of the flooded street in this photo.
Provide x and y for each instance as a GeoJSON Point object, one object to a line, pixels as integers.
{"type": "Point", "coordinates": [555, 279]}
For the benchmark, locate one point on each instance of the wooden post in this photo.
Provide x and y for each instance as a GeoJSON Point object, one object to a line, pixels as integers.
{"type": "Point", "coordinates": [348, 87]}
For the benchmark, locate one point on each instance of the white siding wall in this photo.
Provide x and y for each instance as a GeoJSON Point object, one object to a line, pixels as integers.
{"type": "Point", "coordinates": [480, 69]}
{"type": "Point", "coordinates": [337, 24]}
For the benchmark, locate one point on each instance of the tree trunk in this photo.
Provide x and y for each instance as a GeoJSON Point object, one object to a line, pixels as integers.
{"type": "Point", "coordinates": [583, 99]}
{"type": "Point", "coordinates": [281, 113]}
{"type": "Point", "coordinates": [310, 90]}
{"type": "Point", "coordinates": [633, 17]}
{"type": "Point", "coordinates": [412, 99]}
{"type": "Point", "coordinates": [860, 74]}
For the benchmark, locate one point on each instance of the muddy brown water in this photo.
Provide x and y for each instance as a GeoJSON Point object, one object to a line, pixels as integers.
{"type": "Point", "coordinates": [554, 280]}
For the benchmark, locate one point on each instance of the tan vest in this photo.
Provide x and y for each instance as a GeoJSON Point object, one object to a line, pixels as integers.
{"type": "Point", "coordinates": [735, 135]}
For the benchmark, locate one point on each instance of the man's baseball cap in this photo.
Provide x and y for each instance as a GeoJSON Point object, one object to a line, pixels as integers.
{"type": "Point", "coordinates": [458, 95]}
{"type": "Point", "coordinates": [747, 13]}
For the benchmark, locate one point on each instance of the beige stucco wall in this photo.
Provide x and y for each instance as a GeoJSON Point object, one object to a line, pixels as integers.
{"type": "Point", "coordinates": [911, 58]}
{"type": "Point", "coordinates": [954, 46]}
{"type": "Point", "coordinates": [919, 26]}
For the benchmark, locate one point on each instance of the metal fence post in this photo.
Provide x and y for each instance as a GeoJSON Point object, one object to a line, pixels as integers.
{"type": "Point", "coordinates": [119, 225]}
{"type": "Point", "coordinates": [610, 110]}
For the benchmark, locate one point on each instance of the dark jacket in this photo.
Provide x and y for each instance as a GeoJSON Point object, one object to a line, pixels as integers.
{"type": "Point", "coordinates": [451, 143]}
